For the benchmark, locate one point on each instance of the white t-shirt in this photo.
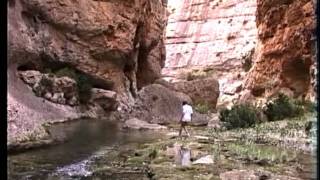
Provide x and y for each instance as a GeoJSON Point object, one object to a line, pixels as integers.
{"type": "Point", "coordinates": [187, 111]}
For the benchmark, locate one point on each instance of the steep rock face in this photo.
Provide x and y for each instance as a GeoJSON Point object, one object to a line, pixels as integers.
{"type": "Point", "coordinates": [206, 33]}
{"type": "Point", "coordinates": [117, 44]}
{"type": "Point", "coordinates": [285, 58]}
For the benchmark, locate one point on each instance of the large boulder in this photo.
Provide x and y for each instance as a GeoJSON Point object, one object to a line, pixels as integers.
{"type": "Point", "coordinates": [105, 98]}
{"type": "Point", "coordinates": [158, 104]}
{"type": "Point", "coordinates": [201, 91]}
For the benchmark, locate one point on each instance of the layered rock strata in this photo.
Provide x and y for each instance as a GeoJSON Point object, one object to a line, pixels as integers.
{"type": "Point", "coordinates": [215, 34]}
{"type": "Point", "coordinates": [285, 60]}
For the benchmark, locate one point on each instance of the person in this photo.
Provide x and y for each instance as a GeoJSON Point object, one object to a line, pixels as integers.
{"type": "Point", "coordinates": [185, 117]}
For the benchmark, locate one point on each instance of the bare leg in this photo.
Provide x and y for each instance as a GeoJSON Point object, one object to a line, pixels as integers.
{"type": "Point", "coordinates": [185, 129]}
{"type": "Point", "coordinates": [180, 131]}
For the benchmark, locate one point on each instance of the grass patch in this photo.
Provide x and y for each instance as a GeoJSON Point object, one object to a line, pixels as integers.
{"type": "Point", "coordinates": [254, 152]}
{"type": "Point", "coordinates": [202, 108]}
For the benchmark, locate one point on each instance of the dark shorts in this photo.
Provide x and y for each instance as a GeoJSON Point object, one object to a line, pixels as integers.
{"type": "Point", "coordinates": [184, 123]}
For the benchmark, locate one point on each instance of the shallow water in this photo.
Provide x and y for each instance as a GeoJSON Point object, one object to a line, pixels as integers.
{"type": "Point", "coordinates": [87, 141]}
{"type": "Point", "coordinates": [94, 146]}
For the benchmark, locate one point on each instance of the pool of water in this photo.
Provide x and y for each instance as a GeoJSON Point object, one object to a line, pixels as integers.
{"type": "Point", "coordinates": [88, 140]}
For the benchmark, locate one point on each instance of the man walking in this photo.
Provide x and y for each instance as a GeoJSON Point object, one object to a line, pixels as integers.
{"type": "Point", "coordinates": [185, 117]}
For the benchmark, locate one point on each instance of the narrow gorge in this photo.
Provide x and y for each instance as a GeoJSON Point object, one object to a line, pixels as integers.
{"type": "Point", "coordinates": [95, 89]}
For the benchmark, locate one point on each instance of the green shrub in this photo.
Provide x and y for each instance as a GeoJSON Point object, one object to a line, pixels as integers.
{"type": "Point", "coordinates": [240, 116]}
{"type": "Point", "coordinates": [282, 107]}
{"type": "Point", "coordinates": [306, 105]}
{"type": "Point", "coordinates": [202, 108]}
{"type": "Point", "coordinates": [67, 72]}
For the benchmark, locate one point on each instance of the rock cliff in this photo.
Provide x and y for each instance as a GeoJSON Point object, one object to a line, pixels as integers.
{"type": "Point", "coordinates": [285, 57]}
{"type": "Point", "coordinates": [117, 45]}
{"type": "Point", "coordinates": [206, 33]}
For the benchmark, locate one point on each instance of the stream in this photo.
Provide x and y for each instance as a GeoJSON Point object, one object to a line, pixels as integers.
{"type": "Point", "coordinates": [88, 140]}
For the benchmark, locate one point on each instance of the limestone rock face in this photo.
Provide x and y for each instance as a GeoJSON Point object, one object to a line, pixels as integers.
{"type": "Point", "coordinates": [286, 49]}
{"type": "Point", "coordinates": [206, 32]}
{"type": "Point", "coordinates": [158, 104]}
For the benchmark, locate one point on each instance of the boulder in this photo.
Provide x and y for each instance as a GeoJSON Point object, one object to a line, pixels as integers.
{"type": "Point", "coordinates": [204, 160]}
{"type": "Point", "coordinates": [200, 90]}
{"type": "Point", "coordinates": [135, 123]}
{"type": "Point", "coordinates": [30, 77]}
{"type": "Point", "coordinates": [158, 104]}
{"type": "Point", "coordinates": [105, 98]}
{"type": "Point", "coordinates": [214, 121]}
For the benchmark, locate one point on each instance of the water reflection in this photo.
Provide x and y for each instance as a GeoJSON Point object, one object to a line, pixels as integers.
{"type": "Point", "coordinates": [86, 138]}
{"type": "Point", "coordinates": [182, 155]}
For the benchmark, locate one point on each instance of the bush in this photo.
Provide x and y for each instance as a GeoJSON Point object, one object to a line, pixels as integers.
{"type": "Point", "coordinates": [240, 116]}
{"type": "Point", "coordinates": [202, 108]}
{"type": "Point", "coordinates": [282, 107]}
{"type": "Point", "coordinates": [306, 105]}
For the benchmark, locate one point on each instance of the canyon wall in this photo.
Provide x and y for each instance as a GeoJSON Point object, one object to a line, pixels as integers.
{"type": "Point", "coordinates": [285, 57]}
{"type": "Point", "coordinates": [212, 34]}
{"type": "Point", "coordinates": [118, 45]}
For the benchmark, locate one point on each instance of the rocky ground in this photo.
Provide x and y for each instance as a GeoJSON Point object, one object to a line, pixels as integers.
{"type": "Point", "coordinates": [216, 154]}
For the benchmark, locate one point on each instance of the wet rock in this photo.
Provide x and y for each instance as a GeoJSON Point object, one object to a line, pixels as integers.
{"type": "Point", "coordinates": [135, 123]}
{"type": "Point", "coordinates": [204, 160]}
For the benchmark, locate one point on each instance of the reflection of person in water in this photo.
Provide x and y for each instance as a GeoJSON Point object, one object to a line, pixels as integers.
{"type": "Point", "coordinates": [185, 117]}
